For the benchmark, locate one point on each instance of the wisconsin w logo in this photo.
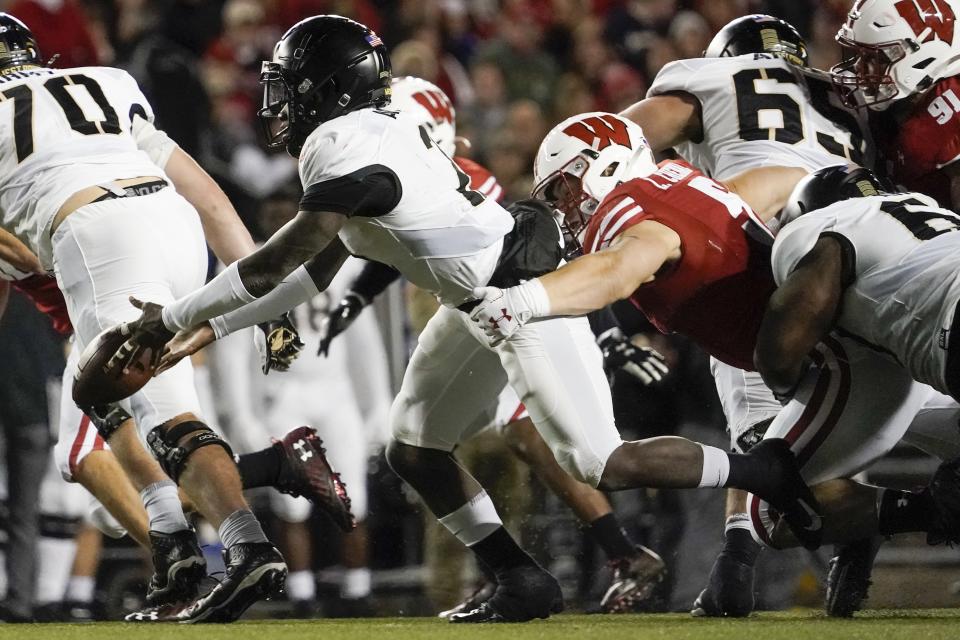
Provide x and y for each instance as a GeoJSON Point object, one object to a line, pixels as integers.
{"type": "Point", "coordinates": [436, 104]}
{"type": "Point", "coordinates": [928, 18]}
{"type": "Point", "coordinates": [600, 131]}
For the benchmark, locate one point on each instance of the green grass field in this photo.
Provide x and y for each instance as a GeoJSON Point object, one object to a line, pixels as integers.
{"type": "Point", "coordinates": [800, 625]}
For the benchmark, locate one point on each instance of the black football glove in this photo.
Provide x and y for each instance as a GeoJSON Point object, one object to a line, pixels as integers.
{"type": "Point", "coordinates": [338, 319]}
{"type": "Point", "coordinates": [643, 363]}
{"type": "Point", "coordinates": [279, 343]}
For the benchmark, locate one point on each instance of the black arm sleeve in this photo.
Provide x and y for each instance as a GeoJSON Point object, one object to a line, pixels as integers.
{"type": "Point", "coordinates": [370, 192]}
{"type": "Point", "coordinates": [374, 278]}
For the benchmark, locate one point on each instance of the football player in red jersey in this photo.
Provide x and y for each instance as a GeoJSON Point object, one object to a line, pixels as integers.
{"type": "Point", "coordinates": [690, 254]}
{"type": "Point", "coordinates": [903, 63]}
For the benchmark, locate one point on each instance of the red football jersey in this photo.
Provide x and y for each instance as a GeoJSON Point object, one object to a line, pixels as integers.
{"type": "Point", "coordinates": [927, 141]}
{"type": "Point", "coordinates": [717, 291]}
{"type": "Point", "coordinates": [480, 179]}
{"type": "Point", "coordinates": [46, 296]}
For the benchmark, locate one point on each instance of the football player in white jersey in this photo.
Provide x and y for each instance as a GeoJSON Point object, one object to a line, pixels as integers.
{"type": "Point", "coordinates": [85, 185]}
{"type": "Point", "coordinates": [376, 185]}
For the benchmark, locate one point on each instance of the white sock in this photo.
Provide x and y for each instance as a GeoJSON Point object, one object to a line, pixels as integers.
{"type": "Point", "coordinates": [716, 467]}
{"type": "Point", "coordinates": [54, 560]}
{"type": "Point", "coordinates": [80, 589]}
{"type": "Point", "coordinates": [301, 585]}
{"type": "Point", "coordinates": [164, 510]}
{"type": "Point", "coordinates": [356, 583]}
{"type": "Point", "coordinates": [474, 521]}
{"type": "Point", "coordinates": [738, 521]}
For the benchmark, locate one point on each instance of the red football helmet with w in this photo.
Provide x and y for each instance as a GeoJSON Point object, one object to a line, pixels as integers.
{"type": "Point", "coordinates": [583, 159]}
{"type": "Point", "coordinates": [896, 48]}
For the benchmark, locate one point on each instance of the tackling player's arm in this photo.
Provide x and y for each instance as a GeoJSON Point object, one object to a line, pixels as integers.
{"type": "Point", "coordinates": [602, 278]}
{"type": "Point", "coordinates": [668, 119]}
{"type": "Point", "coordinates": [799, 314]}
{"type": "Point", "coordinates": [766, 189]}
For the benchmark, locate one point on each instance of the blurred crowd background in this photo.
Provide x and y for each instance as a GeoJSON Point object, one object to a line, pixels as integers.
{"type": "Point", "coordinates": [513, 69]}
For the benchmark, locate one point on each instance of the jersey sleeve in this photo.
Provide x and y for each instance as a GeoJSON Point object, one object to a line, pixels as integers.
{"type": "Point", "coordinates": [615, 215]}
{"type": "Point", "coordinates": [341, 172]}
{"type": "Point", "coordinates": [149, 139]}
{"type": "Point", "coordinates": [795, 241]}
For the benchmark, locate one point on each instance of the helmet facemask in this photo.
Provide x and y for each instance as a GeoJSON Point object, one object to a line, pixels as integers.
{"type": "Point", "coordinates": [864, 78]}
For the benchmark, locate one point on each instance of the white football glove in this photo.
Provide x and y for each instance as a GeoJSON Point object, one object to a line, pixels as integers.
{"type": "Point", "coordinates": [502, 312]}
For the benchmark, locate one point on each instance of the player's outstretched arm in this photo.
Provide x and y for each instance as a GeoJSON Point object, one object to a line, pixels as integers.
{"type": "Point", "coordinates": [584, 285]}
{"type": "Point", "coordinates": [668, 119]}
{"type": "Point", "coordinates": [17, 254]}
{"type": "Point", "coordinates": [766, 189]}
{"type": "Point", "coordinates": [222, 227]}
{"type": "Point", "coordinates": [799, 314]}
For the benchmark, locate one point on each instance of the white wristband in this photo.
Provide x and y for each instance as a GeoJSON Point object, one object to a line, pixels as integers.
{"type": "Point", "coordinates": [535, 297]}
{"type": "Point", "coordinates": [222, 294]}
{"type": "Point", "coordinates": [296, 288]}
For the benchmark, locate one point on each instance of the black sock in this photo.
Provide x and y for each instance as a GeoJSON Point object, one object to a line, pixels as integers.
{"type": "Point", "coordinates": [741, 546]}
{"type": "Point", "coordinates": [260, 468]}
{"type": "Point", "coordinates": [499, 552]}
{"type": "Point", "coordinates": [902, 511]}
{"type": "Point", "coordinates": [608, 533]}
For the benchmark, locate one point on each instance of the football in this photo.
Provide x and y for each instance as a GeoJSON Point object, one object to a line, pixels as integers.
{"type": "Point", "coordinates": [94, 386]}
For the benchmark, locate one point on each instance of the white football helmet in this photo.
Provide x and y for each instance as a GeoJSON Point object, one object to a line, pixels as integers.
{"type": "Point", "coordinates": [895, 49]}
{"type": "Point", "coordinates": [583, 159]}
{"type": "Point", "coordinates": [431, 107]}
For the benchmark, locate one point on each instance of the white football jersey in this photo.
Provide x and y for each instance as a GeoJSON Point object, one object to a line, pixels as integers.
{"type": "Point", "coordinates": [907, 257]}
{"type": "Point", "coordinates": [759, 110]}
{"type": "Point", "coordinates": [63, 130]}
{"type": "Point", "coordinates": [441, 236]}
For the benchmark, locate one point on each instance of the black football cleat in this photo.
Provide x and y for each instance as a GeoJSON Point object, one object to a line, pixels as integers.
{"type": "Point", "coordinates": [480, 595]}
{"type": "Point", "coordinates": [305, 471]}
{"type": "Point", "coordinates": [787, 492]}
{"type": "Point", "coordinates": [848, 580]}
{"type": "Point", "coordinates": [522, 594]}
{"type": "Point", "coordinates": [254, 571]}
{"type": "Point", "coordinates": [729, 591]}
{"type": "Point", "coordinates": [944, 492]}
{"type": "Point", "coordinates": [634, 580]}
{"type": "Point", "coordinates": [179, 568]}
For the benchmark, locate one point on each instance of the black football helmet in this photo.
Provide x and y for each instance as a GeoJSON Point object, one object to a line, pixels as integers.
{"type": "Point", "coordinates": [759, 33]}
{"type": "Point", "coordinates": [18, 47]}
{"type": "Point", "coordinates": [322, 68]}
{"type": "Point", "coordinates": [833, 184]}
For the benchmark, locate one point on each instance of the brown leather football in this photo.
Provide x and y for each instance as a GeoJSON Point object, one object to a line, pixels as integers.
{"type": "Point", "coordinates": [94, 386]}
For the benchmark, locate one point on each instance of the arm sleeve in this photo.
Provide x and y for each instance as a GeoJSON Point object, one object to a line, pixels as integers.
{"type": "Point", "coordinates": [373, 280]}
{"type": "Point", "coordinates": [370, 192]}
{"type": "Point", "coordinates": [295, 289]}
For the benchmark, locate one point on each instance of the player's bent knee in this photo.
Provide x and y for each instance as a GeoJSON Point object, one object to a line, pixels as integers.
{"type": "Point", "coordinates": [172, 446]}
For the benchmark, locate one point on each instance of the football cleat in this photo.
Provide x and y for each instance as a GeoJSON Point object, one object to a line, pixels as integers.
{"type": "Point", "coordinates": [178, 565]}
{"type": "Point", "coordinates": [848, 580]}
{"type": "Point", "coordinates": [305, 471]}
{"type": "Point", "coordinates": [944, 491]}
{"type": "Point", "coordinates": [522, 594]}
{"type": "Point", "coordinates": [787, 492]}
{"type": "Point", "coordinates": [729, 591]}
{"type": "Point", "coordinates": [254, 571]}
{"type": "Point", "coordinates": [474, 600]}
{"type": "Point", "coordinates": [634, 580]}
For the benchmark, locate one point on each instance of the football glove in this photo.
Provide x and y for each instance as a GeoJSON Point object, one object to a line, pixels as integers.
{"type": "Point", "coordinates": [500, 313]}
{"type": "Point", "coordinates": [278, 343]}
{"type": "Point", "coordinates": [338, 319]}
{"type": "Point", "coordinates": [619, 354]}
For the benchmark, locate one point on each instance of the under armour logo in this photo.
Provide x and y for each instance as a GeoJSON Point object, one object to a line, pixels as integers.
{"type": "Point", "coordinates": [504, 316]}
{"type": "Point", "coordinates": [301, 447]}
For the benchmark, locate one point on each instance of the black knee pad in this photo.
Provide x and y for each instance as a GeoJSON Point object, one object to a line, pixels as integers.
{"type": "Point", "coordinates": [107, 419]}
{"type": "Point", "coordinates": [173, 456]}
